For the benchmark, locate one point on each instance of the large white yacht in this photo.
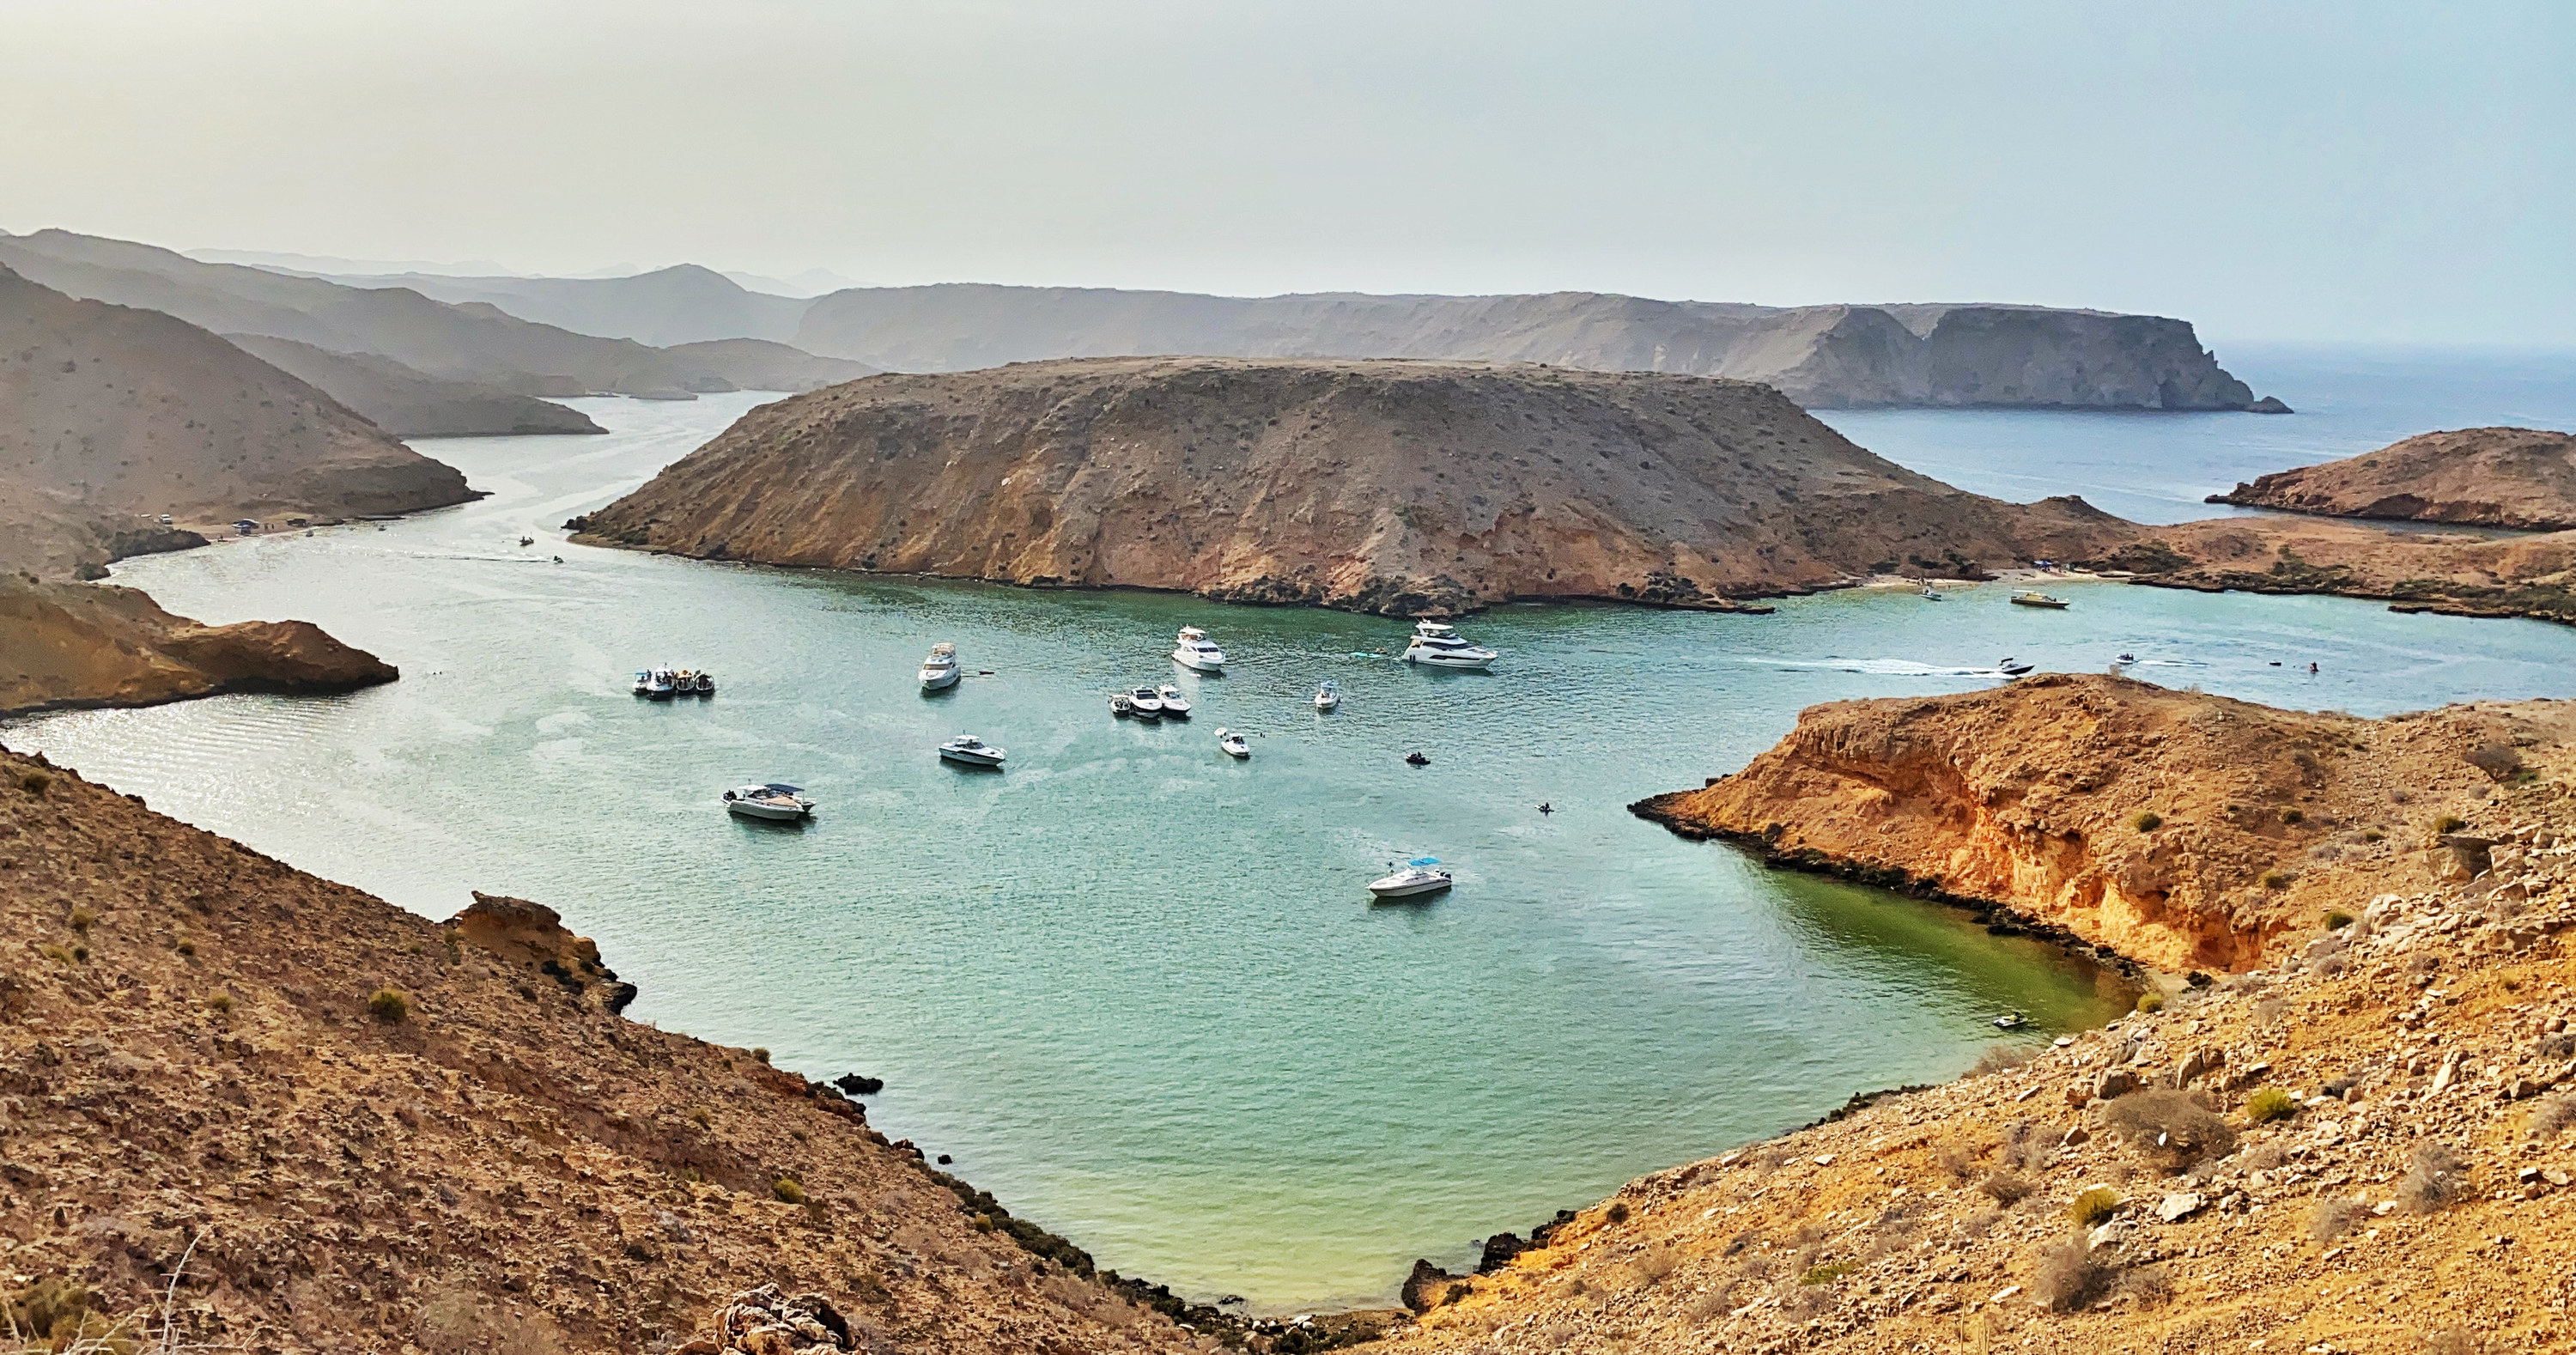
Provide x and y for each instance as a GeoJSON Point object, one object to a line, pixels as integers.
{"type": "Point", "coordinates": [972, 751]}
{"type": "Point", "coordinates": [939, 671]}
{"type": "Point", "coordinates": [1196, 651]}
{"type": "Point", "coordinates": [1442, 647]}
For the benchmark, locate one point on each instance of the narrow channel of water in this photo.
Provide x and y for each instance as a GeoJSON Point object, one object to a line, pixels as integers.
{"type": "Point", "coordinates": [1133, 986]}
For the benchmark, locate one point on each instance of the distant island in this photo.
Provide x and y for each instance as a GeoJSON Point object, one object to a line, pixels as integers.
{"type": "Point", "coordinates": [1403, 488]}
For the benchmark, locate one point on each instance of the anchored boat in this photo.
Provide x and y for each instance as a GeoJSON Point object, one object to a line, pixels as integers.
{"type": "Point", "coordinates": [1419, 876]}
{"type": "Point", "coordinates": [769, 800]}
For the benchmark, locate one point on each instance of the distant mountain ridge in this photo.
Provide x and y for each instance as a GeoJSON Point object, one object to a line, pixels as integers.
{"type": "Point", "coordinates": [1904, 354]}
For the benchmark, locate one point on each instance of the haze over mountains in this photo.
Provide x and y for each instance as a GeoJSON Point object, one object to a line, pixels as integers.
{"type": "Point", "coordinates": [1820, 356]}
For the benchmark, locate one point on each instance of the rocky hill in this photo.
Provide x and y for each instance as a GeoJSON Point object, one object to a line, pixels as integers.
{"type": "Point", "coordinates": [667, 306]}
{"type": "Point", "coordinates": [473, 342]}
{"type": "Point", "coordinates": [410, 404]}
{"type": "Point", "coordinates": [2486, 477]}
{"type": "Point", "coordinates": [2363, 1147]}
{"type": "Point", "coordinates": [1817, 355]}
{"type": "Point", "coordinates": [1395, 487]}
{"type": "Point", "coordinates": [2456, 574]}
{"type": "Point", "coordinates": [316, 1122]}
{"type": "Point", "coordinates": [65, 645]}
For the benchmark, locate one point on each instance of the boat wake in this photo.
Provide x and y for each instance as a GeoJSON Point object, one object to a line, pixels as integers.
{"type": "Point", "coordinates": [1883, 667]}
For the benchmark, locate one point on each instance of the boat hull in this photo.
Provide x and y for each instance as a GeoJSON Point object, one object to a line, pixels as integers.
{"type": "Point", "coordinates": [773, 813]}
{"type": "Point", "coordinates": [967, 759]}
{"type": "Point", "coordinates": [1409, 891]}
{"type": "Point", "coordinates": [1197, 664]}
{"type": "Point", "coordinates": [938, 682]}
{"type": "Point", "coordinates": [1435, 659]}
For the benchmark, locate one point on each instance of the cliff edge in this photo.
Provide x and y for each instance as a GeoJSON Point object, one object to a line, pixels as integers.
{"type": "Point", "coordinates": [2483, 477]}
{"type": "Point", "coordinates": [1405, 488]}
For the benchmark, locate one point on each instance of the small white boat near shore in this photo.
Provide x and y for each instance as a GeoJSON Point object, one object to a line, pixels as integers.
{"type": "Point", "coordinates": [967, 750]}
{"type": "Point", "coordinates": [939, 671]}
{"type": "Point", "coordinates": [772, 800]}
{"type": "Point", "coordinates": [1195, 651]}
{"type": "Point", "coordinates": [1415, 878]}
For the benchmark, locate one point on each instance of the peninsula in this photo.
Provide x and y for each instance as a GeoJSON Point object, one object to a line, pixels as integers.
{"type": "Point", "coordinates": [1397, 487]}
{"type": "Point", "coordinates": [2481, 477]}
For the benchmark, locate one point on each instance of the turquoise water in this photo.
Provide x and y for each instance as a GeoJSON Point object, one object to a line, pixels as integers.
{"type": "Point", "coordinates": [1135, 987]}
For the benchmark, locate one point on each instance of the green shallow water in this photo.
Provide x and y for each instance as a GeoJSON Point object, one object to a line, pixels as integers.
{"type": "Point", "coordinates": [1134, 987]}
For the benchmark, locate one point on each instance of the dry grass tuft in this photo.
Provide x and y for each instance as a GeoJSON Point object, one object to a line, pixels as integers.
{"type": "Point", "coordinates": [2005, 1188]}
{"type": "Point", "coordinates": [389, 1006]}
{"type": "Point", "coordinates": [2068, 1278]}
{"type": "Point", "coordinates": [2170, 1127]}
{"type": "Point", "coordinates": [2435, 1178]}
{"type": "Point", "coordinates": [2333, 1218]}
{"type": "Point", "coordinates": [1998, 1058]}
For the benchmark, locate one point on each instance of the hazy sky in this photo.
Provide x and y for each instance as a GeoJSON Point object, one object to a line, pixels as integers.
{"type": "Point", "coordinates": [2331, 170]}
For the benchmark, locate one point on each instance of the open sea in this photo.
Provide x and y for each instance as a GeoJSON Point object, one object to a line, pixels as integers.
{"type": "Point", "coordinates": [1137, 988]}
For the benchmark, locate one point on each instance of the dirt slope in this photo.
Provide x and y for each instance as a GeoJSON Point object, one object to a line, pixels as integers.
{"type": "Point", "coordinates": [1817, 355]}
{"type": "Point", "coordinates": [2362, 1149]}
{"type": "Point", "coordinates": [2487, 477]}
{"type": "Point", "coordinates": [380, 1135]}
{"type": "Point", "coordinates": [1397, 487]}
{"type": "Point", "coordinates": [2184, 830]}
{"type": "Point", "coordinates": [410, 404]}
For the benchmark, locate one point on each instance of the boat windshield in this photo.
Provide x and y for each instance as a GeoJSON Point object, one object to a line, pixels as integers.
{"type": "Point", "coordinates": [776, 788]}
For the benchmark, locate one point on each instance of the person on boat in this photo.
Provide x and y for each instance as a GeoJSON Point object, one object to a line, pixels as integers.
{"type": "Point", "coordinates": [2312, 668]}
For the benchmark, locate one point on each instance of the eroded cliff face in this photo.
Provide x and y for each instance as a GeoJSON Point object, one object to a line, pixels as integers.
{"type": "Point", "coordinates": [2186, 831]}
{"type": "Point", "coordinates": [74, 645]}
{"type": "Point", "coordinates": [2487, 477]}
{"type": "Point", "coordinates": [1397, 487]}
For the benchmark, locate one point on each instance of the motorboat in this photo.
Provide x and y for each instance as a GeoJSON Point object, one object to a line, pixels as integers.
{"type": "Point", "coordinates": [660, 684]}
{"type": "Point", "coordinates": [524, 541]}
{"type": "Point", "coordinates": [703, 683]}
{"type": "Point", "coordinates": [1417, 759]}
{"type": "Point", "coordinates": [1419, 876]}
{"type": "Point", "coordinates": [1233, 743]}
{"type": "Point", "coordinates": [769, 800]}
{"type": "Point", "coordinates": [2031, 597]}
{"type": "Point", "coordinates": [939, 671]}
{"type": "Point", "coordinates": [1175, 705]}
{"type": "Point", "coordinates": [2011, 667]}
{"type": "Point", "coordinates": [1932, 594]}
{"type": "Point", "coordinates": [1147, 701]}
{"type": "Point", "coordinates": [643, 681]}
{"type": "Point", "coordinates": [1328, 696]}
{"type": "Point", "coordinates": [2011, 1021]}
{"type": "Point", "coordinates": [972, 751]}
{"type": "Point", "coordinates": [1442, 647]}
{"type": "Point", "coordinates": [1194, 650]}
{"type": "Point", "coordinates": [1124, 707]}
{"type": "Point", "coordinates": [2127, 658]}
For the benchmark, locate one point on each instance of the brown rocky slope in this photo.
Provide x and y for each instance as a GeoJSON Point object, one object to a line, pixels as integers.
{"type": "Point", "coordinates": [2362, 1148]}
{"type": "Point", "coordinates": [1396, 487]}
{"type": "Point", "coordinates": [2453, 573]}
{"type": "Point", "coordinates": [2487, 477]}
{"type": "Point", "coordinates": [365, 1131]}
{"type": "Point", "coordinates": [410, 404]}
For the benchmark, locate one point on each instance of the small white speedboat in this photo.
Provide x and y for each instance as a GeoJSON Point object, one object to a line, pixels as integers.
{"type": "Point", "coordinates": [2011, 667]}
{"type": "Point", "coordinates": [769, 800]}
{"type": "Point", "coordinates": [971, 751]}
{"type": "Point", "coordinates": [939, 671]}
{"type": "Point", "coordinates": [661, 684]}
{"type": "Point", "coordinates": [1932, 594]}
{"type": "Point", "coordinates": [1419, 876]}
{"type": "Point", "coordinates": [643, 681]}
{"type": "Point", "coordinates": [1233, 743]}
{"type": "Point", "coordinates": [1175, 704]}
{"type": "Point", "coordinates": [1124, 707]}
{"type": "Point", "coordinates": [1195, 651]}
{"type": "Point", "coordinates": [1328, 696]}
{"type": "Point", "coordinates": [1147, 702]}
{"type": "Point", "coordinates": [1442, 647]}
{"type": "Point", "coordinates": [2033, 598]}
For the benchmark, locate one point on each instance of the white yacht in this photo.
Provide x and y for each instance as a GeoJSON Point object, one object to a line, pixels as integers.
{"type": "Point", "coordinates": [1175, 705]}
{"type": "Point", "coordinates": [770, 800]}
{"type": "Point", "coordinates": [972, 751]}
{"type": "Point", "coordinates": [1147, 702]}
{"type": "Point", "coordinates": [1442, 647]}
{"type": "Point", "coordinates": [1233, 743]}
{"type": "Point", "coordinates": [1195, 650]}
{"type": "Point", "coordinates": [939, 671]}
{"type": "Point", "coordinates": [1328, 696]}
{"type": "Point", "coordinates": [1419, 876]}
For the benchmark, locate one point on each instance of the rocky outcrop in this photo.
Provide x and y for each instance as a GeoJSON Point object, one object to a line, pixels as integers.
{"type": "Point", "coordinates": [1818, 355]}
{"type": "Point", "coordinates": [312, 1121]}
{"type": "Point", "coordinates": [532, 936]}
{"type": "Point", "coordinates": [70, 645]}
{"type": "Point", "coordinates": [410, 404]}
{"type": "Point", "coordinates": [1404, 488]}
{"type": "Point", "coordinates": [2187, 831]}
{"type": "Point", "coordinates": [2451, 573]}
{"type": "Point", "coordinates": [2485, 477]}
{"type": "Point", "coordinates": [2384, 1108]}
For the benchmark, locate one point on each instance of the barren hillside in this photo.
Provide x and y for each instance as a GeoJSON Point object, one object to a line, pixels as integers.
{"type": "Point", "coordinates": [410, 404]}
{"type": "Point", "coordinates": [2486, 477]}
{"type": "Point", "coordinates": [1397, 487]}
{"type": "Point", "coordinates": [365, 1131]}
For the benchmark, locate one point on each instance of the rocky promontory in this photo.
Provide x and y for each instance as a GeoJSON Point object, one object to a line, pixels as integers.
{"type": "Point", "coordinates": [1403, 488]}
{"type": "Point", "coordinates": [2483, 477]}
{"type": "Point", "coordinates": [410, 404]}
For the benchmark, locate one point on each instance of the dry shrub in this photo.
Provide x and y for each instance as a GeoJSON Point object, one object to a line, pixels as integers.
{"type": "Point", "coordinates": [1956, 1161]}
{"type": "Point", "coordinates": [2268, 1012]}
{"type": "Point", "coordinates": [2450, 1341]}
{"type": "Point", "coordinates": [2005, 1188]}
{"type": "Point", "coordinates": [2170, 1127]}
{"type": "Point", "coordinates": [2068, 1278]}
{"type": "Point", "coordinates": [2498, 760]}
{"type": "Point", "coordinates": [2435, 1178]}
{"type": "Point", "coordinates": [2147, 1286]}
{"type": "Point", "coordinates": [1979, 1223]}
{"type": "Point", "coordinates": [2552, 1117]}
{"type": "Point", "coordinates": [390, 1006]}
{"type": "Point", "coordinates": [1999, 1058]}
{"type": "Point", "coordinates": [2333, 1218]}
{"type": "Point", "coordinates": [1655, 1263]}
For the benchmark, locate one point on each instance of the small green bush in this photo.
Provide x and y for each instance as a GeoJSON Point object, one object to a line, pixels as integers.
{"type": "Point", "coordinates": [2151, 1001]}
{"type": "Point", "coordinates": [83, 919]}
{"type": "Point", "coordinates": [57, 954]}
{"type": "Point", "coordinates": [185, 946]}
{"type": "Point", "coordinates": [2276, 879]}
{"type": "Point", "coordinates": [1827, 1273]}
{"type": "Point", "coordinates": [2147, 821]}
{"type": "Point", "coordinates": [2293, 816]}
{"type": "Point", "coordinates": [2093, 1206]}
{"type": "Point", "coordinates": [2449, 823]}
{"type": "Point", "coordinates": [35, 780]}
{"type": "Point", "coordinates": [1618, 1211]}
{"type": "Point", "coordinates": [788, 1189]}
{"type": "Point", "coordinates": [2337, 919]}
{"type": "Point", "coordinates": [2373, 835]}
{"type": "Point", "coordinates": [390, 1006]}
{"type": "Point", "coordinates": [221, 1002]}
{"type": "Point", "coordinates": [2269, 1104]}
{"type": "Point", "coordinates": [761, 1054]}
